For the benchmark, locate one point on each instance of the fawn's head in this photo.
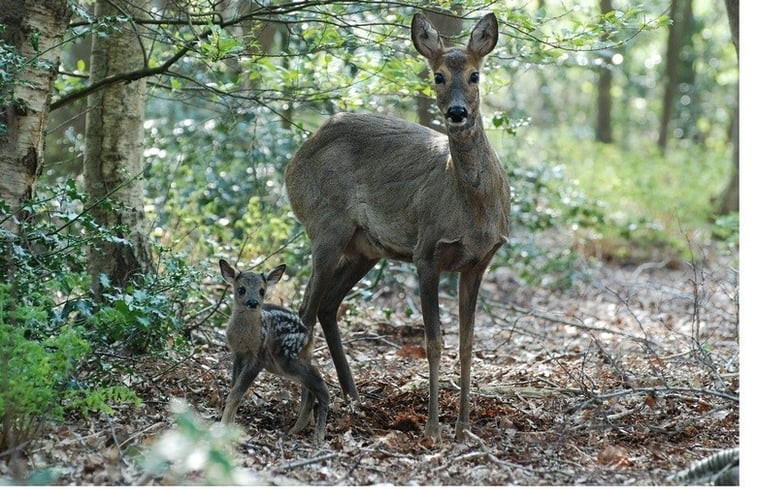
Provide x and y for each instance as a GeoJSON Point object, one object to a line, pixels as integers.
{"type": "Point", "coordinates": [249, 287]}
{"type": "Point", "coordinates": [456, 70]}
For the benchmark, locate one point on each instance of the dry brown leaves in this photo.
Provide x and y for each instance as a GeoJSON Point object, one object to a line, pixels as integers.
{"type": "Point", "coordinates": [623, 380]}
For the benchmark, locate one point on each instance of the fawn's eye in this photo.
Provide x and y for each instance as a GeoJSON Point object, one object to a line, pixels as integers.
{"type": "Point", "coordinates": [438, 78]}
{"type": "Point", "coordinates": [241, 291]}
{"type": "Point", "coordinates": [474, 77]}
{"type": "Point", "coordinates": [262, 292]}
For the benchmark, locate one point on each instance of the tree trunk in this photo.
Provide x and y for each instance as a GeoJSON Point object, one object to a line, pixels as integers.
{"type": "Point", "coordinates": [603, 130]}
{"type": "Point", "coordinates": [729, 199]}
{"type": "Point", "coordinates": [114, 142]}
{"type": "Point", "coordinates": [678, 36]}
{"type": "Point", "coordinates": [33, 28]}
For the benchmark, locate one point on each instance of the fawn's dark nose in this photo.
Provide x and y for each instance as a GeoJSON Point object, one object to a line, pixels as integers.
{"type": "Point", "coordinates": [457, 113]}
{"type": "Point", "coordinates": [252, 304]}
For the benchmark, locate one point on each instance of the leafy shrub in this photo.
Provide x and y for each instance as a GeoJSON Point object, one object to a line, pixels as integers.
{"type": "Point", "coordinates": [146, 316]}
{"type": "Point", "coordinates": [35, 373]}
{"type": "Point", "coordinates": [50, 322]}
{"type": "Point", "coordinates": [195, 449]}
{"type": "Point", "coordinates": [39, 381]}
{"type": "Point", "coordinates": [726, 229]}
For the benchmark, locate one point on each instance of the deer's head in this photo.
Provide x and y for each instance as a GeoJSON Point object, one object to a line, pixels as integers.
{"type": "Point", "coordinates": [456, 70]}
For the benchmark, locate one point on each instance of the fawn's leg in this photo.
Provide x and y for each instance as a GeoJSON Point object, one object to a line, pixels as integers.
{"type": "Point", "coordinates": [318, 387]}
{"type": "Point", "coordinates": [312, 382]}
{"type": "Point", "coordinates": [306, 409]}
{"type": "Point", "coordinates": [247, 369]}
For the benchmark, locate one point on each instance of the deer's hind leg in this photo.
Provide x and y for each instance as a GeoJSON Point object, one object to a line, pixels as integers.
{"type": "Point", "coordinates": [347, 274]}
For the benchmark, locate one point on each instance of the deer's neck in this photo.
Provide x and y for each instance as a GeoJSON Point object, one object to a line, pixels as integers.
{"type": "Point", "coordinates": [472, 157]}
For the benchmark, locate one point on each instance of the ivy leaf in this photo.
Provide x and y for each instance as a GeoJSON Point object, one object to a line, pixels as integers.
{"type": "Point", "coordinates": [34, 40]}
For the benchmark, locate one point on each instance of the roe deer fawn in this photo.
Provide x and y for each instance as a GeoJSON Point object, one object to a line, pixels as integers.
{"type": "Point", "coordinates": [264, 336]}
{"type": "Point", "coordinates": [367, 187]}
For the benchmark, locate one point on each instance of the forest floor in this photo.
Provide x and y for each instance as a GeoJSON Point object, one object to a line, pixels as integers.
{"type": "Point", "coordinates": [625, 379]}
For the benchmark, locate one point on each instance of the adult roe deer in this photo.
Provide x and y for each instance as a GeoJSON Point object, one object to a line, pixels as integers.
{"type": "Point", "coordinates": [367, 187]}
{"type": "Point", "coordinates": [264, 336]}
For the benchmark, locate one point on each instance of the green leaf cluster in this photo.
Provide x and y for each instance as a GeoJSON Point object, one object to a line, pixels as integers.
{"type": "Point", "coordinates": [51, 325]}
{"type": "Point", "coordinates": [195, 449]}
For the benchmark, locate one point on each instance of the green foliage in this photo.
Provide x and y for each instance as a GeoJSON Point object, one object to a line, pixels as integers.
{"type": "Point", "coordinates": [50, 323]}
{"type": "Point", "coordinates": [145, 318]}
{"type": "Point", "coordinates": [39, 374]}
{"type": "Point", "coordinates": [225, 186]}
{"type": "Point", "coordinates": [11, 64]}
{"type": "Point", "coordinates": [36, 372]}
{"type": "Point", "coordinates": [219, 44]}
{"type": "Point", "coordinates": [726, 229]}
{"type": "Point", "coordinates": [101, 399]}
{"type": "Point", "coordinates": [195, 451]}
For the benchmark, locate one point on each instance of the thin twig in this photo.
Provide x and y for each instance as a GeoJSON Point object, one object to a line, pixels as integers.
{"type": "Point", "coordinates": [577, 323]}
{"type": "Point", "coordinates": [306, 461]}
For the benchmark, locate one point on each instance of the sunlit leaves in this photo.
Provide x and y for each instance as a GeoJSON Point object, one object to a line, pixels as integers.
{"type": "Point", "coordinates": [219, 44]}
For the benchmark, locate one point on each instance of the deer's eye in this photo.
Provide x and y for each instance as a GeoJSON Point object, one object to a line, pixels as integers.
{"type": "Point", "coordinates": [241, 291]}
{"type": "Point", "coordinates": [262, 292]}
{"type": "Point", "coordinates": [474, 77]}
{"type": "Point", "coordinates": [438, 78]}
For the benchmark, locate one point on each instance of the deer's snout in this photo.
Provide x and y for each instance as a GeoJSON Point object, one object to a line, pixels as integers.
{"type": "Point", "coordinates": [252, 303]}
{"type": "Point", "coordinates": [457, 114]}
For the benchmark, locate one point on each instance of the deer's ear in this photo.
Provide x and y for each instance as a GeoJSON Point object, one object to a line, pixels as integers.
{"type": "Point", "coordinates": [425, 37]}
{"type": "Point", "coordinates": [228, 272]}
{"type": "Point", "coordinates": [275, 274]}
{"type": "Point", "coordinates": [484, 36]}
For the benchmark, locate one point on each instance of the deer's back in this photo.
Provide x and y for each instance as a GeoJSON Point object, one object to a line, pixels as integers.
{"type": "Point", "coordinates": [368, 168]}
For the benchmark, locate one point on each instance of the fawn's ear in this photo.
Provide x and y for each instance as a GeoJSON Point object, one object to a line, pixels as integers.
{"type": "Point", "coordinates": [228, 272]}
{"type": "Point", "coordinates": [275, 274]}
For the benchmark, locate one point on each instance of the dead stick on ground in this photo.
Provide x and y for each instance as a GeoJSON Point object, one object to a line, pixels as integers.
{"type": "Point", "coordinates": [568, 321]}
{"type": "Point", "coordinates": [303, 462]}
{"type": "Point", "coordinates": [488, 452]}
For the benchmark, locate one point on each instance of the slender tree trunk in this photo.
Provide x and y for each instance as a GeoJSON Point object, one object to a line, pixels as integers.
{"type": "Point", "coordinates": [603, 130]}
{"type": "Point", "coordinates": [678, 34]}
{"type": "Point", "coordinates": [34, 28]}
{"type": "Point", "coordinates": [729, 199]}
{"type": "Point", "coordinates": [114, 142]}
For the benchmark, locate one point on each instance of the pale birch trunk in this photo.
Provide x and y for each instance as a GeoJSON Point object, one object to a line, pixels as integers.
{"type": "Point", "coordinates": [114, 143]}
{"type": "Point", "coordinates": [34, 28]}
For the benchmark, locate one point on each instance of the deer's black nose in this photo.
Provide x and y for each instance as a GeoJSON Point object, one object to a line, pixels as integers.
{"type": "Point", "coordinates": [457, 113]}
{"type": "Point", "coordinates": [252, 304]}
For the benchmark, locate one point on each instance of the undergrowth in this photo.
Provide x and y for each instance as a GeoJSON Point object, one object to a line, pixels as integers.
{"type": "Point", "coordinates": [51, 325]}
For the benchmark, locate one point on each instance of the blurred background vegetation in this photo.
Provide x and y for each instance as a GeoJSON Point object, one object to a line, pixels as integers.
{"type": "Point", "coordinates": [616, 121]}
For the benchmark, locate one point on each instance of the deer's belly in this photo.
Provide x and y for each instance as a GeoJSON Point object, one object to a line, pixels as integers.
{"type": "Point", "coordinates": [371, 246]}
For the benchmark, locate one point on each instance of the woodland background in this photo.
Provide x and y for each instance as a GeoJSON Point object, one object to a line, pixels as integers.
{"type": "Point", "coordinates": [141, 141]}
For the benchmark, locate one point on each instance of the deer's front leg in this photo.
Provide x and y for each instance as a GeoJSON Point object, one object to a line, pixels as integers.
{"type": "Point", "coordinates": [470, 281]}
{"type": "Point", "coordinates": [429, 287]}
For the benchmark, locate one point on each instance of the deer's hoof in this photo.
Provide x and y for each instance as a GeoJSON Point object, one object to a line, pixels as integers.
{"type": "Point", "coordinates": [460, 429]}
{"type": "Point", "coordinates": [432, 434]}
